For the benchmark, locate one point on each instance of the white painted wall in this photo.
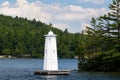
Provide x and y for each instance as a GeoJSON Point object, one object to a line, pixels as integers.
{"type": "Point", "coordinates": [50, 52]}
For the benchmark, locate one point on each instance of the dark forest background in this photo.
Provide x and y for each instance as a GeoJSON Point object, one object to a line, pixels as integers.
{"type": "Point", "coordinates": [21, 37]}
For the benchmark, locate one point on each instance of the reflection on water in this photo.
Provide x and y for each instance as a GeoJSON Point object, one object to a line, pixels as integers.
{"type": "Point", "coordinates": [23, 69]}
{"type": "Point", "coordinates": [51, 77]}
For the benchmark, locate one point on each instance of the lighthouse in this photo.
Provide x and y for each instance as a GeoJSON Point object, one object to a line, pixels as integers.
{"type": "Point", "coordinates": [50, 66]}
{"type": "Point", "coordinates": [50, 52]}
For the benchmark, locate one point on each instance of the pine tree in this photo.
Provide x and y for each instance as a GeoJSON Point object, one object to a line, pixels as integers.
{"type": "Point", "coordinates": [114, 17]}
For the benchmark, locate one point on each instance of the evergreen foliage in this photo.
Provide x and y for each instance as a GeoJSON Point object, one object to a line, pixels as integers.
{"type": "Point", "coordinates": [20, 37]}
{"type": "Point", "coordinates": [102, 47]}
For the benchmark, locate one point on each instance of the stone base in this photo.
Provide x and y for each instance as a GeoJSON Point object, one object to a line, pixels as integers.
{"type": "Point", "coordinates": [45, 72]}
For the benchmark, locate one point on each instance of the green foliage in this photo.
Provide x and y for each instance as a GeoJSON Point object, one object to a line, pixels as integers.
{"type": "Point", "coordinates": [103, 62]}
{"type": "Point", "coordinates": [6, 51]}
{"type": "Point", "coordinates": [101, 50]}
{"type": "Point", "coordinates": [20, 37]}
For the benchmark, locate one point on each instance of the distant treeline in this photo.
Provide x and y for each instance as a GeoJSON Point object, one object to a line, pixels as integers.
{"type": "Point", "coordinates": [20, 37]}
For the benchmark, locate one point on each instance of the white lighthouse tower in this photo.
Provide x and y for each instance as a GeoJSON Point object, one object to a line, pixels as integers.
{"type": "Point", "coordinates": [50, 53]}
{"type": "Point", "coordinates": [50, 66]}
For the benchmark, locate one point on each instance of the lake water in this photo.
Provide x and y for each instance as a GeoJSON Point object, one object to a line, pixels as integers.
{"type": "Point", "coordinates": [23, 69]}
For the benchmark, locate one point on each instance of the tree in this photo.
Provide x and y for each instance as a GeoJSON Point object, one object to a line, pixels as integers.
{"type": "Point", "coordinates": [114, 16]}
{"type": "Point", "coordinates": [26, 37]}
{"type": "Point", "coordinates": [81, 50]}
{"type": "Point", "coordinates": [6, 51]}
{"type": "Point", "coordinates": [103, 41]}
{"type": "Point", "coordinates": [111, 24]}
